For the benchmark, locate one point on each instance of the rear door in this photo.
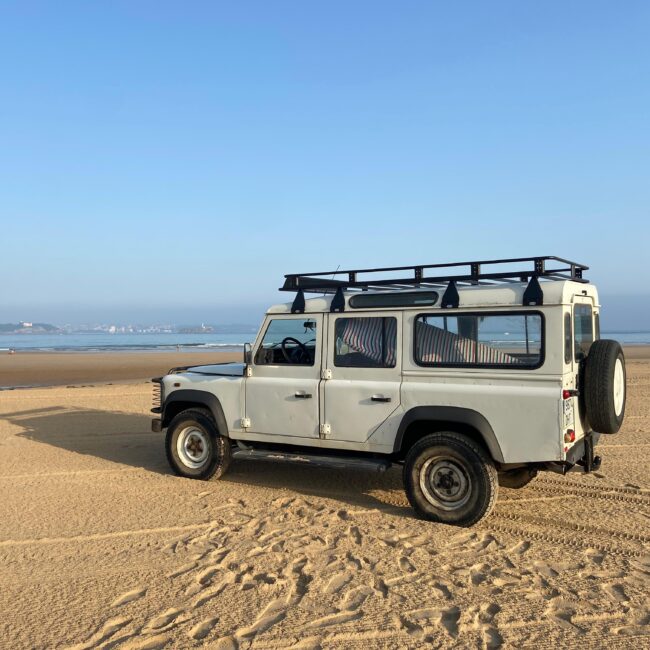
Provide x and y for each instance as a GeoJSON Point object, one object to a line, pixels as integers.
{"type": "Point", "coordinates": [584, 334]}
{"type": "Point", "coordinates": [365, 365]}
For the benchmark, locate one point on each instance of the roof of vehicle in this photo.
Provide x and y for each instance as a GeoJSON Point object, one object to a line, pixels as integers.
{"type": "Point", "coordinates": [479, 296]}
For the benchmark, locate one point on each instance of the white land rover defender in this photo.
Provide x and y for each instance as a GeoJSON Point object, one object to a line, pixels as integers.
{"type": "Point", "coordinates": [470, 375]}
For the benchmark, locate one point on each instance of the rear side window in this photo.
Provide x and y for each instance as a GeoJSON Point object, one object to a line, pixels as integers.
{"type": "Point", "coordinates": [480, 340]}
{"type": "Point", "coordinates": [568, 339]}
{"type": "Point", "coordinates": [583, 331]}
{"type": "Point", "coordinates": [365, 342]}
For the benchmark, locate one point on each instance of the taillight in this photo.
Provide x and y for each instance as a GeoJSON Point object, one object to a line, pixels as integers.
{"type": "Point", "coordinates": [570, 436]}
{"type": "Point", "coordinates": [569, 392]}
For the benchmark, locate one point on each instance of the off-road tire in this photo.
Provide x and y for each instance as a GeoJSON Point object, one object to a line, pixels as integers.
{"type": "Point", "coordinates": [603, 372]}
{"type": "Point", "coordinates": [448, 455]}
{"type": "Point", "coordinates": [215, 447]}
{"type": "Point", "coordinates": [517, 478]}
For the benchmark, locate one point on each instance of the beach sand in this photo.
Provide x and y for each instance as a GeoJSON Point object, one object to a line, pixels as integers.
{"type": "Point", "coordinates": [61, 368]}
{"type": "Point", "coordinates": [102, 547]}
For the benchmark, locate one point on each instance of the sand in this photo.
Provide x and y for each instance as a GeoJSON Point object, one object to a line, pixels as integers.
{"type": "Point", "coordinates": [61, 368]}
{"type": "Point", "coordinates": [102, 547]}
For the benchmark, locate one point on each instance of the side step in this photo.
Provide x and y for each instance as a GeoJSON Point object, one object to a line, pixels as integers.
{"type": "Point", "coordinates": [312, 460]}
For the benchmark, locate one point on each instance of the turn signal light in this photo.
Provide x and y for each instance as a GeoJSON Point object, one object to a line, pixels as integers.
{"type": "Point", "coordinates": [570, 436]}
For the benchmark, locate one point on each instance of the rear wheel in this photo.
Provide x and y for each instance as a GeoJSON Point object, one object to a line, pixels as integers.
{"type": "Point", "coordinates": [450, 478]}
{"type": "Point", "coordinates": [194, 447]}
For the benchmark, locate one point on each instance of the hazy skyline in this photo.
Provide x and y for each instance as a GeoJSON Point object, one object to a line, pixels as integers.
{"type": "Point", "coordinates": [171, 162]}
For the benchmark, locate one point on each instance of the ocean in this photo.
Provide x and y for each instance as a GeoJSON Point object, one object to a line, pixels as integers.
{"type": "Point", "coordinates": [102, 342]}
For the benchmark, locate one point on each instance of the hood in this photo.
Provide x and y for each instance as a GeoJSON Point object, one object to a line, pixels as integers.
{"type": "Point", "coordinates": [220, 369]}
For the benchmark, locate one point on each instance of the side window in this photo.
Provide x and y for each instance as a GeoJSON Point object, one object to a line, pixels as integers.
{"type": "Point", "coordinates": [568, 339]}
{"type": "Point", "coordinates": [497, 340]}
{"type": "Point", "coordinates": [583, 331]}
{"type": "Point", "coordinates": [288, 341]}
{"type": "Point", "coordinates": [365, 342]}
{"type": "Point", "coordinates": [597, 325]}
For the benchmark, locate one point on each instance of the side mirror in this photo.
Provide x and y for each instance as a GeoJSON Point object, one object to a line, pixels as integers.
{"type": "Point", "coordinates": [248, 354]}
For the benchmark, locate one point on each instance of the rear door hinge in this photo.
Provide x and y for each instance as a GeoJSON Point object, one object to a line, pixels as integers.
{"type": "Point", "coordinates": [326, 373]}
{"type": "Point", "coordinates": [245, 423]}
{"type": "Point", "coordinates": [325, 430]}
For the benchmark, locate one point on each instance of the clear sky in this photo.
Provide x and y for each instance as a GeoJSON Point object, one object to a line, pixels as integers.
{"type": "Point", "coordinates": [173, 160]}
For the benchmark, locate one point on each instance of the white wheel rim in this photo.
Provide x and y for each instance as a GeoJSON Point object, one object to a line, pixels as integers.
{"type": "Point", "coordinates": [445, 483]}
{"type": "Point", "coordinates": [619, 387]}
{"type": "Point", "coordinates": [193, 447]}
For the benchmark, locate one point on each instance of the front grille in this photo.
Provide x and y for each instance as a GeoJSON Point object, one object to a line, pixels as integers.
{"type": "Point", "coordinates": [156, 397]}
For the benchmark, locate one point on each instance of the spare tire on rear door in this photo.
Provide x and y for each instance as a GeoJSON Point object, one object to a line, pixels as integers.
{"type": "Point", "coordinates": [604, 386]}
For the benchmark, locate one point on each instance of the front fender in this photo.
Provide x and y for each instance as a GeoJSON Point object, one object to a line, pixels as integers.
{"type": "Point", "coordinates": [179, 400]}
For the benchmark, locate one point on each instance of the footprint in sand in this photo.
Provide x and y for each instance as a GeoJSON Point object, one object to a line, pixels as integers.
{"type": "Point", "coordinates": [492, 638]}
{"type": "Point", "coordinates": [441, 590]}
{"type": "Point", "coordinates": [261, 625]}
{"type": "Point", "coordinates": [107, 630]}
{"type": "Point", "coordinates": [202, 629]}
{"type": "Point", "coordinates": [616, 591]}
{"type": "Point", "coordinates": [520, 548]}
{"type": "Point", "coordinates": [153, 643]}
{"type": "Point", "coordinates": [449, 620]}
{"type": "Point", "coordinates": [337, 582]}
{"type": "Point", "coordinates": [162, 621]}
{"type": "Point", "coordinates": [206, 575]}
{"type": "Point", "coordinates": [406, 565]}
{"type": "Point", "coordinates": [335, 619]}
{"type": "Point", "coordinates": [355, 598]}
{"type": "Point", "coordinates": [129, 597]}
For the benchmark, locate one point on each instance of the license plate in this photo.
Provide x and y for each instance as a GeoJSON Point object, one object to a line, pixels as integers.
{"type": "Point", "coordinates": [568, 413]}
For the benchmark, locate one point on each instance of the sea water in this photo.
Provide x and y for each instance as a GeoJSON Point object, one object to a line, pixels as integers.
{"type": "Point", "coordinates": [104, 342]}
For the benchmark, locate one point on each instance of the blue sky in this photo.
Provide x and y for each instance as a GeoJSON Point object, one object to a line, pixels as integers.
{"type": "Point", "coordinates": [163, 160]}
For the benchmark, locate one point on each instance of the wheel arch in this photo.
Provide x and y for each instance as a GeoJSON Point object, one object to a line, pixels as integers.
{"type": "Point", "coordinates": [422, 420]}
{"type": "Point", "coordinates": [181, 400]}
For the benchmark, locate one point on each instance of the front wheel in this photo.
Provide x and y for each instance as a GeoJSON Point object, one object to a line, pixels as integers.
{"type": "Point", "coordinates": [194, 447]}
{"type": "Point", "coordinates": [449, 478]}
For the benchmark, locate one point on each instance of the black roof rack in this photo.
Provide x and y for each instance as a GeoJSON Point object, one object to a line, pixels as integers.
{"type": "Point", "coordinates": [422, 275]}
{"type": "Point", "coordinates": [482, 272]}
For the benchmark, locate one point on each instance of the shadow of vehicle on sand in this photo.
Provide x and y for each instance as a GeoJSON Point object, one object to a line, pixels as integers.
{"type": "Point", "coordinates": [126, 439]}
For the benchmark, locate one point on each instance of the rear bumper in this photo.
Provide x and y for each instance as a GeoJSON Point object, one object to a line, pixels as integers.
{"type": "Point", "coordinates": [581, 455]}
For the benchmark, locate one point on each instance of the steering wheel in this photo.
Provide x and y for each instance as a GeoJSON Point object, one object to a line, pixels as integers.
{"type": "Point", "coordinates": [300, 354]}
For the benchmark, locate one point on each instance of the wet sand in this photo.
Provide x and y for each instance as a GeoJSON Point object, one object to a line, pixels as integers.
{"type": "Point", "coordinates": [102, 547]}
{"type": "Point", "coordinates": [62, 368]}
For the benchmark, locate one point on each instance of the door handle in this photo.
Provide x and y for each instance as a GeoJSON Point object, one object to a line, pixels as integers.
{"type": "Point", "coordinates": [380, 398]}
{"type": "Point", "coordinates": [302, 395]}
